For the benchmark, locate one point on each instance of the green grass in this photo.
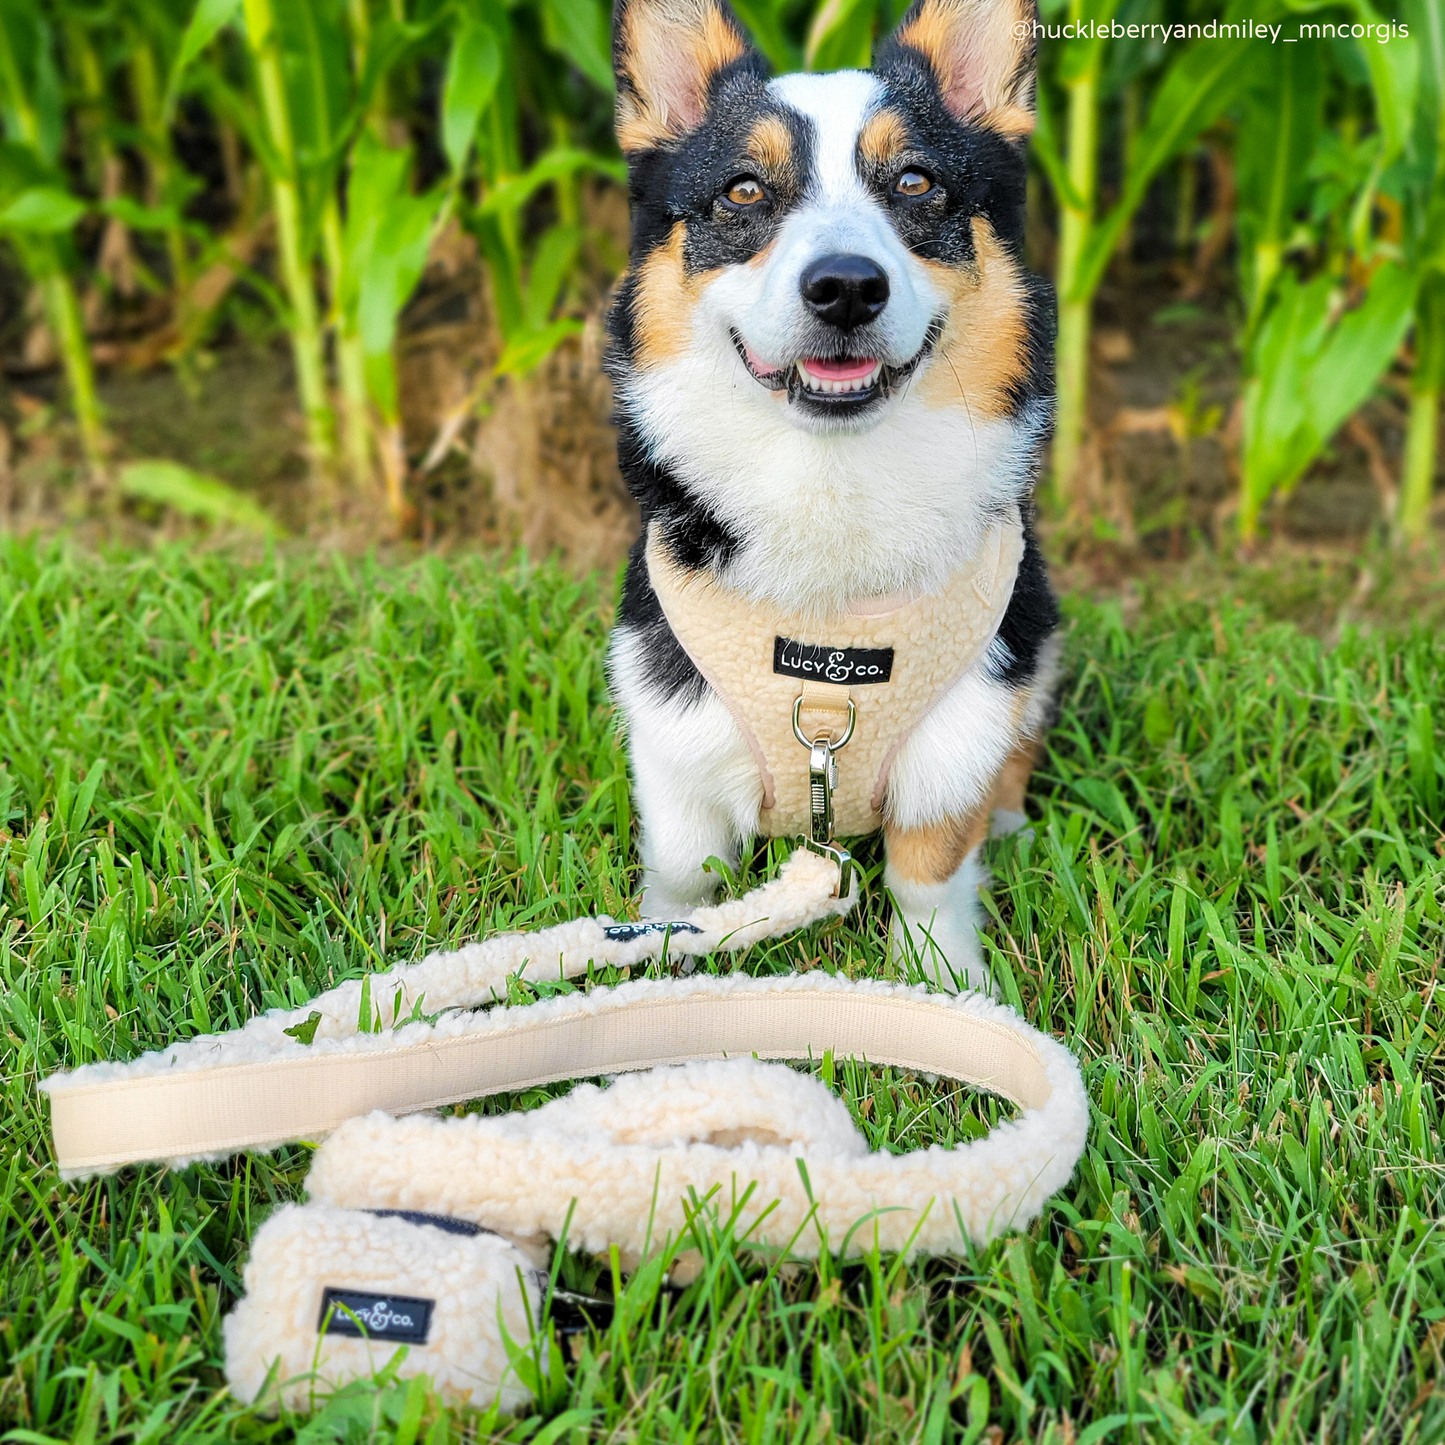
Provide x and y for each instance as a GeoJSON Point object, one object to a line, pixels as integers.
{"type": "Point", "coordinates": [227, 785]}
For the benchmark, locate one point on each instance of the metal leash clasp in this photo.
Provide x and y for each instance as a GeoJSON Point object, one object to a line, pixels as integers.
{"type": "Point", "coordinates": [822, 783]}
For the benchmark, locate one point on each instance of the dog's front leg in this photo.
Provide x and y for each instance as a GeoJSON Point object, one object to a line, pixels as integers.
{"type": "Point", "coordinates": [933, 875]}
{"type": "Point", "coordinates": [696, 787]}
{"type": "Point", "coordinates": [963, 771]}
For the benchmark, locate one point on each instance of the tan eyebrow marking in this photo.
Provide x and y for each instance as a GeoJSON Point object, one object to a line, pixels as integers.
{"type": "Point", "coordinates": [883, 137]}
{"type": "Point", "coordinates": [770, 144]}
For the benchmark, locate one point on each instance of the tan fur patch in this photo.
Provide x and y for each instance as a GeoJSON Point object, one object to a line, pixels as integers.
{"type": "Point", "coordinates": [932, 854]}
{"type": "Point", "coordinates": [882, 138]}
{"type": "Point", "coordinates": [770, 146]}
{"type": "Point", "coordinates": [983, 350]}
{"type": "Point", "coordinates": [671, 50]}
{"type": "Point", "coordinates": [664, 302]}
{"type": "Point", "coordinates": [1014, 121]}
{"type": "Point", "coordinates": [1012, 784]}
{"type": "Point", "coordinates": [980, 52]}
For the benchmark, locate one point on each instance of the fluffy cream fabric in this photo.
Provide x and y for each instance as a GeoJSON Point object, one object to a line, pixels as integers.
{"type": "Point", "coordinates": [624, 1161]}
{"type": "Point", "coordinates": [191, 1101]}
{"type": "Point", "coordinates": [631, 1156]}
{"type": "Point", "coordinates": [274, 1349]}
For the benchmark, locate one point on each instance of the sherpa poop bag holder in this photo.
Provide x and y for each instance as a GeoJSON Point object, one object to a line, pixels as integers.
{"type": "Point", "coordinates": [426, 1232]}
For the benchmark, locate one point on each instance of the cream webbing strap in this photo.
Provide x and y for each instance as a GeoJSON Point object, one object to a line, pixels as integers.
{"type": "Point", "coordinates": [776, 1148]}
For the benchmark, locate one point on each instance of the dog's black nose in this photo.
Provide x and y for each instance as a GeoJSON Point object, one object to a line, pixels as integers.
{"type": "Point", "coordinates": [845, 291]}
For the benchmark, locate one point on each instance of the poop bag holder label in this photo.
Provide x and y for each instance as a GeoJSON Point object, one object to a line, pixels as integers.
{"type": "Point", "coordinates": [394, 1318]}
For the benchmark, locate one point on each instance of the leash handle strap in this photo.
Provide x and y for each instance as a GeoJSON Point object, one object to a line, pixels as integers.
{"type": "Point", "coordinates": [261, 1086]}
{"type": "Point", "coordinates": [199, 1113]}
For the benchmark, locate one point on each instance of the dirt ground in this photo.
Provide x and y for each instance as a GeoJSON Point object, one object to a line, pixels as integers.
{"type": "Point", "coordinates": [531, 460]}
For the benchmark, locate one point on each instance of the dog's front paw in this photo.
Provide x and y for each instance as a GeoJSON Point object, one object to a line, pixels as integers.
{"type": "Point", "coordinates": [934, 935]}
{"type": "Point", "coordinates": [940, 953]}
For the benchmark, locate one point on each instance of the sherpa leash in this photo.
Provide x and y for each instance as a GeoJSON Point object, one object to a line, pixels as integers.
{"type": "Point", "coordinates": [417, 1227]}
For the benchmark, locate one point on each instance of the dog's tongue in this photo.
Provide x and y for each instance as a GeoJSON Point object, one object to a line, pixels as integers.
{"type": "Point", "coordinates": [848, 368]}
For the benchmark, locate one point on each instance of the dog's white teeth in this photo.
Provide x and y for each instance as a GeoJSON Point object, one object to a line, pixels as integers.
{"type": "Point", "coordinates": [838, 388]}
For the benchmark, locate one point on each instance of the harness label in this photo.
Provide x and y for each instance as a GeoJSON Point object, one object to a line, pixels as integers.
{"type": "Point", "coordinates": [817, 663]}
{"type": "Point", "coordinates": [375, 1316]}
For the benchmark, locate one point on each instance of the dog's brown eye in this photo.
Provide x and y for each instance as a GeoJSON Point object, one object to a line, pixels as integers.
{"type": "Point", "coordinates": [913, 183]}
{"type": "Point", "coordinates": [745, 191]}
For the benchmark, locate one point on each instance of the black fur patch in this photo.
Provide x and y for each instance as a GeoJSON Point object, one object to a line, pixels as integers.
{"type": "Point", "coordinates": [1036, 384]}
{"type": "Point", "coordinates": [687, 181]}
{"type": "Point", "coordinates": [1030, 618]}
{"type": "Point", "coordinates": [981, 172]}
{"type": "Point", "coordinates": [668, 669]}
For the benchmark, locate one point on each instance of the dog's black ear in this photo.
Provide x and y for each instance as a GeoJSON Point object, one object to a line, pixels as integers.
{"type": "Point", "coordinates": [981, 54]}
{"type": "Point", "coordinates": [666, 54]}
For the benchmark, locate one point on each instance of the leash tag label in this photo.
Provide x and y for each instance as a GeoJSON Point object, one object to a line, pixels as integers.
{"type": "Point", "coordinates": [855, 666]}
{"type": "Point", "coordinates": [396, 1318]}
{"type": "Point", "coordinates": [630, 932]}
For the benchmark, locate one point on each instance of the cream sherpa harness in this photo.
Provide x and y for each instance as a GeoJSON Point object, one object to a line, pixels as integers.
{"type": "Point", "coordinates": [862, 679]}
{"type": "Point", "coordinates": [424, 1232]}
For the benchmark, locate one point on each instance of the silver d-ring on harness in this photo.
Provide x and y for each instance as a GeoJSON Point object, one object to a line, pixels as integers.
{"type": "Point", "coordinates": [808, 742]}
{"type": "Point", "coordinates": [822, 781]}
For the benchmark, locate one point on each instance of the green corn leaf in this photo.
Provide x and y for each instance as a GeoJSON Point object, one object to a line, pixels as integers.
{"type": "Point", "coordinates": [20, 168]}
{"type": "Point", "coordinates": [511, 195]}
{"type": "Point", "coordinates": [1395, 78]}
{"type": "Point", "coordinates": [394, 268]}
{"type": "Point", "coordinates": [1359, 348]}
{"type": "Point", "coordinates": [42, 211]}
{"type": "Point", "coordinates": [556, 252]}
{"type": "Point", "coordinates": [193, 494]}
{"type": "Point", "coordinates": [1308, 375]}
{"type": "Point", "coordinates": [207, 21]}
{"type": "Point", "coordinates": [386, 238]}
{"type": "Point", "coordinates": [765, 21]}
{"type": "Point", "coordinates": [1079, 56]}
{"type": "Point", "coordinates": [841, 35]}
{"type": "Point", "coordinates": [1283, 113]}
{"type": "Point", "coordinates": [578, 30]}
{"type": "Point", "coordinates": [533, 347]}
{"type": "Point", "coordinates": [1196, 90]}
{"type": "Point", "coordinates": [32, 99]}
{"type": "Point", "coordinates": [1046, 148]}
{"type": "Point", "coordinates": [149, 218]}
{"type": "Point", "coordinates": [473, 69]}
{"type": "Point", "coordinates": [1426, 19]}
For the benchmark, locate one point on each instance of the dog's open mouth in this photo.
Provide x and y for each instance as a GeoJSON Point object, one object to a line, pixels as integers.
{"type": "Point", "coordinates": [834, 383]}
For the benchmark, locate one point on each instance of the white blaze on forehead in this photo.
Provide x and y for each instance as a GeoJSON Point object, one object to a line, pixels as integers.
{"type": "Point", "coordinates": [838, 104]}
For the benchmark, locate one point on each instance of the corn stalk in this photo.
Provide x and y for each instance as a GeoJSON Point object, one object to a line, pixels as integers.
{"type": "Point", "coordinates": [1423, 429]}
{"type": "Point", "coordinates": [37, 210]}
{"type": "Point", "coordinates": [1079, 75]}
{"type": "Point", "coordinates": [295, 254]}
{"type": "Point", "coordinates": [1198, 85]}
{"type": "Point", "coordinates": [1425, 209]}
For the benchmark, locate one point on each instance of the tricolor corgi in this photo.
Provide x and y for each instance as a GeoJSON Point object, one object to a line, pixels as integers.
{"type": "Point", "coordinates": [834, 386]}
